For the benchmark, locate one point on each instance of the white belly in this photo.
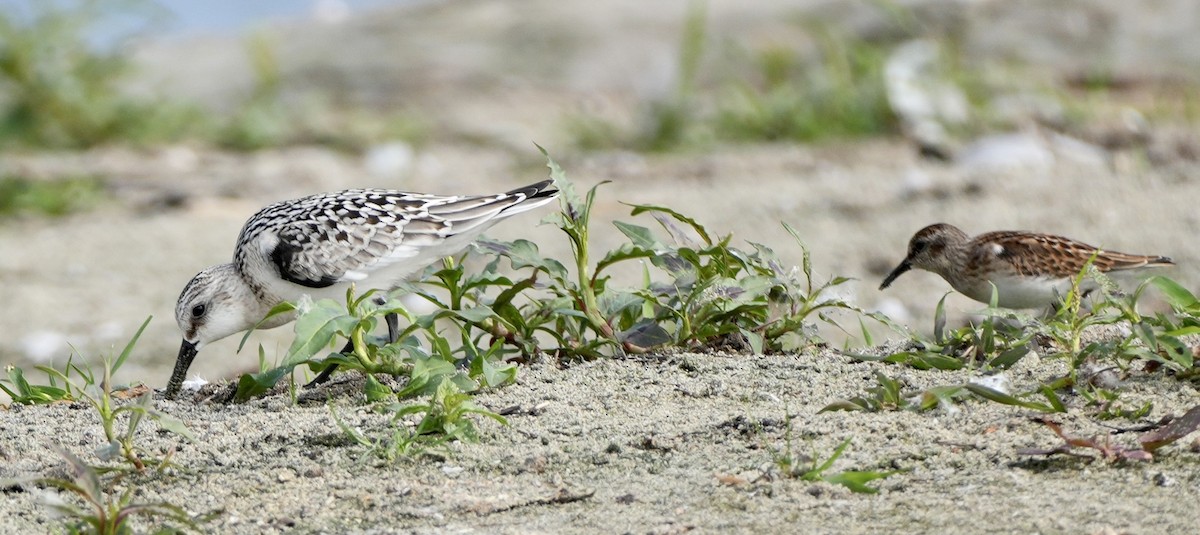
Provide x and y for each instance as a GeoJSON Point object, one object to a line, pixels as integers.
{"type": "Point", "coordinates": [1022, 292]}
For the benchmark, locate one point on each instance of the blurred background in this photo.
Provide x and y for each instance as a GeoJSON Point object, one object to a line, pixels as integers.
{"type": "Point", "coordinates": [136, 136]}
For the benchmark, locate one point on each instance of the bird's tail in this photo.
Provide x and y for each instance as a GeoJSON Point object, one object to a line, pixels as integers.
{"type": "Point", "coordinates": [535, 195]}
{"type": "Point", "coordinates": [1122, 261]}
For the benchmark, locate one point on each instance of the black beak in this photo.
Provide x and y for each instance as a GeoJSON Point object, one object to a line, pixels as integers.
{"type": "Point", "coordinates": [187, 352]}
{"type": "Point", "coordinates": [900, 269]}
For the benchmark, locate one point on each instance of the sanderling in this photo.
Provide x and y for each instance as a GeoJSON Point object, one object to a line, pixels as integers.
{"type": "Point", "coordinates": [1029, 270]}
{"type": "Point", "coordinates": [319, 245]}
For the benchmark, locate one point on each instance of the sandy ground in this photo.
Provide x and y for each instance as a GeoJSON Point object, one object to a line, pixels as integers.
{"type": "Point", "coordinates": [662, 444]}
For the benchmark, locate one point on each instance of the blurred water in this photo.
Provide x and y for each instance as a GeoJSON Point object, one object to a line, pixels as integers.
{"type": "Point", "coordinates": [181, 18]}
{"type": "Point", "coordinates": [231, 16]}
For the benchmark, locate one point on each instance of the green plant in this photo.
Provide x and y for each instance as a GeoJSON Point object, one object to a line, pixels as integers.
{"type": "Point", "coordinates": [48, 197]}
{"type": "Point", "coordinates": [323, 323]}
{"type": "Point", "coordinates": [842, 95]}
{"type": "Point", "coordinates": [810, 468]}
{"type": "Point", "coordinates": [888, 396]}
{"type": "Point", "coordinates": [61, 90]}
{"type": "Point", "coordinates": [717, 290]}
{"type": "Point", "coordinates": [1160, 336]}
{"type": "Point", "coordinates": [431, 368]}
{"type": "Point", "coordinates": [99, 392]}
{"type": "Point", "coordinates": [1155, 340]}
{"type": "Point", "coordinates": [712, 293]}
{"type": "Point", "coordinates": [992, 344]}
{"type": "Point", "coordinates": [26, 393]}
{"type": "Point", "coordinates": [668, 122]}
{"type": "Point", "coordinates": [443, 418]}
{"type": "Point", "coordinates": [105, 512]}
{"type": "Point", "coordinates": [262, 120]}
{"type": "Point", "coordinates": [1072, 318]}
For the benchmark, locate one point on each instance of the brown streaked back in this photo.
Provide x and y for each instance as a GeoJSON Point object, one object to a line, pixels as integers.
{"type": "Point", "coordinates": [1033, 254]}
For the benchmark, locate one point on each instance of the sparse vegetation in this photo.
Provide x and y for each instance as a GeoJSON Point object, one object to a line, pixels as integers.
{"type": "Point", "coordinates": [19, 196]}
{"type": "Point", "coordinates": [107, 509]}
{"type": "Point", "coordinates": [812, 468]}
{"type": "Point", "coordinates": [62, 91]}
{"type": "Point", "coordinates": [109, 402]}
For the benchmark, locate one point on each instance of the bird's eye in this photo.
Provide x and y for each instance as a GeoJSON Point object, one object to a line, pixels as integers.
{"type": "Point", "coordinates": [198, 310]}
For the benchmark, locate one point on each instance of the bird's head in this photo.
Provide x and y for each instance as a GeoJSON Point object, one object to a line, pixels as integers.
{"type": "Point", "coordinates": [212, 306]}
{"type": "Point", "coordinates": [927, 250]}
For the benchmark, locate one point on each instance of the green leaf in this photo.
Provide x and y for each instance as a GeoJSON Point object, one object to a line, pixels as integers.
{"type": "Point", "coordinates": [856, 404]}
{"type": "Point", "coordinates": [1183, 331]}
{"type": "Point", "coordinates": [624, 252]}
{"type": "Point", "coordinates": [1176, 295]}
{"type": "Point", "coordinates": [281, 308]}
{"type": "Point", "coordinates": [129, 346]}
{"type": "Point", "coordinates": [172, 424]}
{"type": "Point", "coordinates": [811, 475]}
{"type": "Point", "coordinates": [28, 394]}
{"type": "Point", "coordinates": [1007, 358]}
{"type": "Point", "coordinates": [639, 236]}
{"type": "Point", "coordinates": [1053, 399]}
{"type": "Point", "coordinates": [315, 330]}
{"type": "Point", "coordinates": [753, 288]}
{"type": "Point", "coordinates": [939, 321]}
{"type": "Point", "coordinates": [376, 391]}
{"type": "Point", "coordinates": [491, 372]}
{"type": "Point", "coordinates": [642, 208]}
{"type": "Point", "coordinates": [919, 360]}
{"type": "Point", "coordinates": [523, 254]}
{"type": "Point", "coordinates": [938, 395]}
{"type": "Point", "coordinates": [756, 341]}
{"type": "Point", "coordinates": [866, 333]}
{"type": "Point", "coordinates": [252, 385]}
{"type": "Point", "coordinates": [506, 296]}
{"type": "Point", "coordinates": [426, 375]}
{"type": "Point", "coordinates": [857, 481]}
{"type": "Point", "coordinates": [474, 314]}
{"type": "Point", "coordinates": [565, 187]}
{"type": "Point", "coordinates": [1000, 397]}
{"type": "Point", "coordinates": [617, 302]}
{"type": "Point", "coordinates": [645, 333]}
{"type": "Point", "coordinates": [485, 279]}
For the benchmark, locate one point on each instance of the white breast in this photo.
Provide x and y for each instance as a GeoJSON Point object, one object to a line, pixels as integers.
{"type": "Point", "coordinates": [1020, 292]}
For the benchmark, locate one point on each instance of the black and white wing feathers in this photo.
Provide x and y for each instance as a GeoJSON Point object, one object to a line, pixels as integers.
{"type": "Point", "coordinates": [327, 239]}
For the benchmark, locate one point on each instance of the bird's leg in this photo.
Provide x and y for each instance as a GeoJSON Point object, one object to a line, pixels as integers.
{"type": "Point", "coordinates": [328, 371]}
{"type": "Point", "coordinates": [393, 325]}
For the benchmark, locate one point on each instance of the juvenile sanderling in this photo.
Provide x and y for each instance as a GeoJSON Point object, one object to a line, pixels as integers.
{"type": "Point", "coordinates": [1029, 270]}
{"type": "Point", "coordinates": [319, 245]}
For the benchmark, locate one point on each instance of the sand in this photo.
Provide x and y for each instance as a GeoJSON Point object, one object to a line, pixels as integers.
{"type": "Point", "coordinates": [656, 444]}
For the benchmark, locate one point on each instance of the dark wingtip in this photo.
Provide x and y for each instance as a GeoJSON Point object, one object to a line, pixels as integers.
{"type": "Point", "coordinates": [1162, 261]}
{"type": "Point", "coordinates": [536, 191]}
